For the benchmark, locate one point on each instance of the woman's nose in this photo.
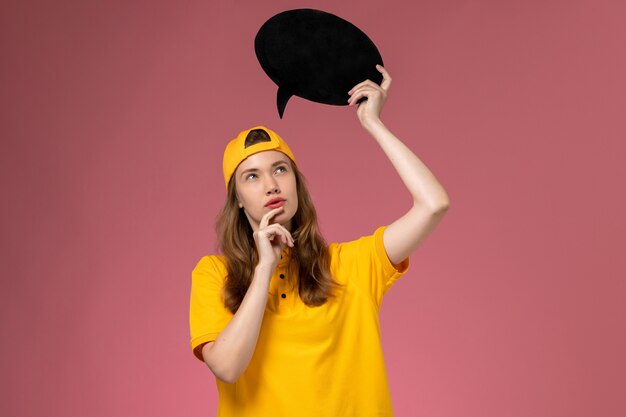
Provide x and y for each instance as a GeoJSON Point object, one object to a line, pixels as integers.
{"type": "Point", "coordinates": [271, 187]}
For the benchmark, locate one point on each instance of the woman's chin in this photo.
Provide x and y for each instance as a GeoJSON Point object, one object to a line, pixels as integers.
{"type": "Point", "coordinates": [284, 220]}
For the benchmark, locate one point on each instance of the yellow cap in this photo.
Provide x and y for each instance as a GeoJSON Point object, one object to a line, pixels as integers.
{"type": "Point", "coordinates": [236, 150]}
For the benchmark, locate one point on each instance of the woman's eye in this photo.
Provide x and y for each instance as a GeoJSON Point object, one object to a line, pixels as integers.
{"type": "Point", "coordinates": [281, 169]}
{"type": "Point", "coordinates": [250, 177]}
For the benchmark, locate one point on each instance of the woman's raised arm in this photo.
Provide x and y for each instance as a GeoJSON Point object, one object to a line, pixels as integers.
{"type": "Point", "coordinates": [430, 200]}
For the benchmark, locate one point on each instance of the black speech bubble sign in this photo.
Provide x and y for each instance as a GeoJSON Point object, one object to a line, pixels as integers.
{"type": "Point", "coordinates": [315, 55]}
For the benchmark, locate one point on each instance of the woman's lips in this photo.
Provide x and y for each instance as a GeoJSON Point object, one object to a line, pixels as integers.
{"type": "Point", "coordinates": [275, 204]}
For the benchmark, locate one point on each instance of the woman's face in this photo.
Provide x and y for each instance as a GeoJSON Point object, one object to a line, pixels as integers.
{"type": "Point", "coordinates": [265, 181]}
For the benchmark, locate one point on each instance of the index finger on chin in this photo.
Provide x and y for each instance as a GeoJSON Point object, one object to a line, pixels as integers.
{"type": "Point", "coordinates": [265, 220]}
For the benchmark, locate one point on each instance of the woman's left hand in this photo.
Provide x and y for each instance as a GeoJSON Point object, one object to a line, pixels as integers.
{"type": "Point", "coordinates": [369, 110]}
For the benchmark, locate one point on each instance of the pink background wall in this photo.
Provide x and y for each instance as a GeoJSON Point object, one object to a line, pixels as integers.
{"type": "Point", "coordinates": [113, 119]}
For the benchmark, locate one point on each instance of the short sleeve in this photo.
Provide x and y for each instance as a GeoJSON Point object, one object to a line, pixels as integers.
{"type": "Point", "coordinates": [207, 314]}
{"type": "Point", "coordinates": [365, 262]}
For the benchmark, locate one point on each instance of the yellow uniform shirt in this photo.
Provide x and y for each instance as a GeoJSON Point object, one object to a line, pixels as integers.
{"type": "Point", "coordinates": [308, 361]}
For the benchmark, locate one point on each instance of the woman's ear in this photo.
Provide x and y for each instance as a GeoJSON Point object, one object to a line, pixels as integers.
{"type": "Point", "coordinates": [237, 199]}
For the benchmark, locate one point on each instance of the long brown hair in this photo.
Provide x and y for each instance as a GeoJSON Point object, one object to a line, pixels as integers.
{"type": "Point", "coordinates": [315, 284]}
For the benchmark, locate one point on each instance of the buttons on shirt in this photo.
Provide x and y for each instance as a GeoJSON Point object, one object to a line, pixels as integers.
{"type": "Point", "coordinates": [280, 286]}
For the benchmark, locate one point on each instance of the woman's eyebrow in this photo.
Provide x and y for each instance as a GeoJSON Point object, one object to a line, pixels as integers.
{"type": "Point", "coordinates": [249, 170]}
{"type": "Point", "coordinates": [254, 169]}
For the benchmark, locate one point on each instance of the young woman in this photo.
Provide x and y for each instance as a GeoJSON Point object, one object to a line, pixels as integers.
{"type": "Point", "coordinates": [288, 324]}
